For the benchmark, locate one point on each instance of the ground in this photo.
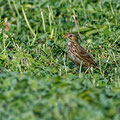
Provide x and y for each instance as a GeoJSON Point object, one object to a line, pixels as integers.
{"type": "Point", "coordinates": [37, 79]}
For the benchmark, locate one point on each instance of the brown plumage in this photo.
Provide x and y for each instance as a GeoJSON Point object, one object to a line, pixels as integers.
{"type": "Point", "coordinates": [77, 53]}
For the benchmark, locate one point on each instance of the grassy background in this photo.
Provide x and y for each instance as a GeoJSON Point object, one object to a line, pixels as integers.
{"type": "Point", "coordinates": [38, 81]}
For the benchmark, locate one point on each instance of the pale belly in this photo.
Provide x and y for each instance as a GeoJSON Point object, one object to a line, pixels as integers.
{"type": "Point", "coordinates": [72, 55]}
{"type": "Point", "coordinates": [74, 58]}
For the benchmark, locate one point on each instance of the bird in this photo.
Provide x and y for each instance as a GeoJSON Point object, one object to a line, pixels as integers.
{"type": "Point", "coordinates": [77, 53]}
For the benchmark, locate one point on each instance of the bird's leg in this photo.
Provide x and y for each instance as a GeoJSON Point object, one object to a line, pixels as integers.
{"type": "Point", "coordinates": [87, 69]}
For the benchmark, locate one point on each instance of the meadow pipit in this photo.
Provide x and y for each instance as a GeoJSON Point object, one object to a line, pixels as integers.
{"type": "Point", "coordinates": [77, 53]}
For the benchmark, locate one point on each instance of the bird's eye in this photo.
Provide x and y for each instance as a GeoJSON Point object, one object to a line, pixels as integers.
{"type": "Point", "coordinates": [70, 36]}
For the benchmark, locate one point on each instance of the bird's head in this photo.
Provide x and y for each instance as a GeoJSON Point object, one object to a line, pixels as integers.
{"type": "Point", "coordinates": [71, 37]}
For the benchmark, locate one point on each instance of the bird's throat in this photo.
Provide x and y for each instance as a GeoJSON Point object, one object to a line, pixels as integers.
{"type": "Point", "coordinates": [73, 43]}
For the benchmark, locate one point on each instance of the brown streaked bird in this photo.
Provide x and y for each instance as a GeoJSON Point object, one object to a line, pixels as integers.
{"type": "Point", "coordinates": [77, 53]}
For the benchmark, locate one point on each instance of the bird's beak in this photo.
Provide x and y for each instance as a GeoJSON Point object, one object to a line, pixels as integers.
{"type": "Point", "coordinates": [64, 36]}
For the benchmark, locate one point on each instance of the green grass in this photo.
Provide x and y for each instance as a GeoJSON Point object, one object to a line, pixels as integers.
{"type": "Point", "coordinates": [37, 79]}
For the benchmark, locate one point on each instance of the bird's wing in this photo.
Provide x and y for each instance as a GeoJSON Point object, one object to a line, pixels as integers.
{"type": "Point", "coordinates": [83, 55]}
